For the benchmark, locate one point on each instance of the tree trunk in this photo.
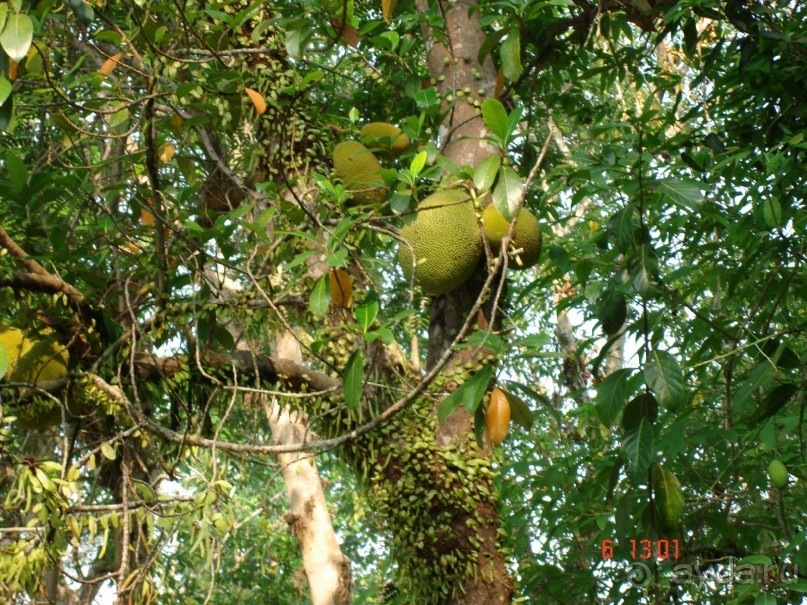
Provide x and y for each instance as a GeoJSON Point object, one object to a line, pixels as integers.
{"type": "Point", "coordinates": [454, 67]}
{"type": "Point", "coordinates": [326, 568]}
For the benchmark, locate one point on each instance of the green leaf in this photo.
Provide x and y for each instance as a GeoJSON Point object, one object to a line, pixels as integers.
{"type": "Point", "coordinates": [511, 55]}
{"type": "Point", "coordinates": [16, 171]}
{"type": "Point", "coordinates": [513, 119]}
{"type": "Point", "coordinates": [495, 117]}
{"type": "Point", "coordinates": [535, 341]}
{"type": "Point", "coordinates": [622, 228]}
{"type": "Point", "coordinates": [684, 193]}
{"type": "Point", "coordinates": [485, 173]}
{"type": "Point", "coordinates": [17, 36]}
{"type": "Point", "coordinates": [756, 560]}
{"type": "Point", "coordinates": [772, 212]}
{"type": "Point", "coordinates": [5, 89]}
{"type": "Point", "coordinates": [642, 406]}
{"type": "Point", "coordinates": [637, 449]}
{"type": "Point", "coordinates": [468, 394]}
{"type": "Point", "coordinates": [508, 191]}
{"type": "Point", "coordinates": [665, 379]}
{"type": "Point", "coordinates": [84, 13]}
{"type": "Point", "coordinates": [119, 121]}
{"type": "Point", "coordinates": [3, 361]}
{"type": "Point", "coordinates": [490, 42]}
{"type": "Point", "coordinates": [353, 379]}
{"type": "Point", "coordinates": [668, 498]}
{"type": "Point", "coordinates": [426, 99]}
{"type": "Point", "coordinates": [294, 43]}
{"type": "Point", "coordinates": [611, 396]}
{"type": "Point", "coordinates": [418, 162]}
{"type": "Point", "coordinates": [611, 310]}
{"type": "Point", "coordinates": [400, 201]}
{"type": "Point", "coordinates": [519, 410]}
{"type": "Point", "coordinates": [320, 297]}
{"type": "Point", "coordinates": [774, 402]}
{"type": "Point", "coordinates": [3, 15]}
{"type": "Point", "coordinates": [366, 313]}
{"type": "Point", "coordinates": [643, 268]}
{"type": "Point", "coordinates": [538, 398]}
{"type": "Point", "coordinates": [225, 338]}
{"type": "Point", "coordinates": [480, 425]}
{"type": "Point", "coordinates": [385, 334]}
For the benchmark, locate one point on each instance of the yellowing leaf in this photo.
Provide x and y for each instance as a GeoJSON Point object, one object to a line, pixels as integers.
{"type": "Point", "coordinates": [497, 416]}
{"type": "Point", "coordinates": [166, 152]}
{"type": "Point", "coordinates": [257, 100]}
{"type": "Point", "coordinates": [177, 123]}
{"type": "Point", "coordinates": [110, 64]}
{"type": "Point", "coordinates": [387, 8]}
{"type": "Point", "coordinates": [108, 451]}
{"type": "Point", "coordinates": [341, 288]}
{"type": "Point", "coordinates": [499, 84]}
{"type": "Point", "coordinates": [146, 217]}
{"type": "Point", "coordinates": [348, 33]}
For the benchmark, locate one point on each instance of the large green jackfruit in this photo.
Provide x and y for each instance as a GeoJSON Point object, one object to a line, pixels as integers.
{"type": "Point", "coordinates": [360, 172]}
{"type": "Point", "coordinates": [35, 360]}
{"type": "Point", "coordinates": [386, 137]}
{"type": "Point", "coordinates": [527, 238]}
{"type": "Point", "coordinates": [446, 240]}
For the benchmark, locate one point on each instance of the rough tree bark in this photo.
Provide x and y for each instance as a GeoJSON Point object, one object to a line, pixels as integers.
{"type": "Point", "coordinates": [453, 65]}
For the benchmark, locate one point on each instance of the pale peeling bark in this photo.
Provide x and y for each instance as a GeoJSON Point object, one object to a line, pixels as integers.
{"type": "Point", "coordinates": [327, 569]}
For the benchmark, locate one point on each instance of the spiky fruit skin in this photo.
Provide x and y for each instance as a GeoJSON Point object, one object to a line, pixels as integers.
{"type": "Point", "coordinates": [527, 235]}
{"type": "Point", "coordinates": [446, 241]}
{"type": "Point", "coordinates": [777, 472]}
{"type": "Point", "coordinates": [497, 417]}
{"type": "Point", "coordinates": [384, 136]}
{"type": "Point", "coordinates": [360, 172]}
{"type": "Point", "coordinates": [35, 360]}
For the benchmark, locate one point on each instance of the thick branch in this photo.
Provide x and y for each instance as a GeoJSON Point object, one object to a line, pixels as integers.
{"type": "Point", "coordinates": [272, 369]}
{"type": "Point", "coordinates": [38, 273]}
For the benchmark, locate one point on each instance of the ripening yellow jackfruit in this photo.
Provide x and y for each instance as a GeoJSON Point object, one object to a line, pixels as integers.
{"type": "Point", "coordinates": [360, 172]}
{"type": "Point", "coordinates": [385, 137]}
{"type": "Point", "coordinates": [34, 360]}
{"type": "Point", "coordinates": [11, 340]}
{"type": "Point", "coordinates": [446, 240]}
{"type": "Point", "coordinates": [527, 238]}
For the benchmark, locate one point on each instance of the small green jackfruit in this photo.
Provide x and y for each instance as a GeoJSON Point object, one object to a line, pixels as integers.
{"type": "Point", "coordinates": [527, 237]}
{"type": "Point", "coordinates": [777, 472]}
{"type": "Point", "coordinates": [385, 137]}
{"type": "Point", "coordinates": [446, 240]}
{"type": "Point", "coordinates": [360, 172]}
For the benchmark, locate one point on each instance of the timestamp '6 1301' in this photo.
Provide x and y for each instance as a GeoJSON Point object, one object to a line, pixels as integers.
{"type": "Point", "coordinates": [645, 549]}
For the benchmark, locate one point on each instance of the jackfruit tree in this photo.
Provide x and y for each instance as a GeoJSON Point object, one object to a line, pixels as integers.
{"type": "Point", "coordinates": [436, 303]}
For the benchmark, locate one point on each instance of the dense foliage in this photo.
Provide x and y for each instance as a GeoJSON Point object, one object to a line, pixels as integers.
{"type": "Point", "coordinates": [168, 202]}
